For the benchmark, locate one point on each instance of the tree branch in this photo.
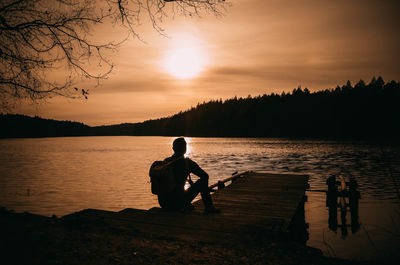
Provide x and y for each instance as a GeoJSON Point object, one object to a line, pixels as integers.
{"type": "Point", "coordinates": [36, 37]}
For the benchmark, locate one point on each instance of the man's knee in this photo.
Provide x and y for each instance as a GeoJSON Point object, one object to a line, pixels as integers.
{"type": "Point", "coordinates": [205, 177]}
{"type": "Point", "coordinates": [204, 181]}
{"type": "Point", "coordinates": [201, 183]}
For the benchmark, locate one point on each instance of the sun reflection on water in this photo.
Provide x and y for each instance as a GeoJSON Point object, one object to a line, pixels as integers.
{"type": "Point", "coordinates": [188, 147]}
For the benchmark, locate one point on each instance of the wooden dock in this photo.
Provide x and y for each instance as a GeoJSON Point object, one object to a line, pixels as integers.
{"type": "Point", "coordinates": [256, 206]}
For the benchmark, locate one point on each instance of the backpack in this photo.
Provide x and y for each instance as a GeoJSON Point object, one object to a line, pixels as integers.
{"type": "Point", "coordinates": [162, 177]}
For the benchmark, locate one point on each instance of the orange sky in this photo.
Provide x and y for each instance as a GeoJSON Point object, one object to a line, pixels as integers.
{"type": "Point", "coordinates": [259, 46]}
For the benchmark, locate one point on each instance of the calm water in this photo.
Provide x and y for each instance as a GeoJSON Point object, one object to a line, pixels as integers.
{"type": "Point", "coordinates": [63, 175]}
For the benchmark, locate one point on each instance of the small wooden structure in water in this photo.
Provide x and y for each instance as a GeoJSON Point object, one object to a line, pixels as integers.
{"type": "Point", "coordinates": [336, 196]}
{"type": "Point", "coordinates": [256, 206]}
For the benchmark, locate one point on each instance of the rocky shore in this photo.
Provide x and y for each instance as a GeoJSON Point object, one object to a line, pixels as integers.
{"type": "Point", "coordinates": [34, 239]}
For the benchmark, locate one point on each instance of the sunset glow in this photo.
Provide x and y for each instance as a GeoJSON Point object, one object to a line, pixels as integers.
{"type": "Point", "coordinates": [256, 48]}
{"type": "Point", "coordinates": [185, 60]}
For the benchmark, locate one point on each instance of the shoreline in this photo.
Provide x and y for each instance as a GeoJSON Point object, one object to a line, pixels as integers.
{"type": "Point", "coordinates": [35, 239]}
{"type": "Point", "coordinates": [361, 140]}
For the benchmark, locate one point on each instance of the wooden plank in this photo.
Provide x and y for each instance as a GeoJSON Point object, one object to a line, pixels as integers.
{"type": "Point", "coordinates": [197, 231]}
{"type": "Point", "coordinates": [255, 205]}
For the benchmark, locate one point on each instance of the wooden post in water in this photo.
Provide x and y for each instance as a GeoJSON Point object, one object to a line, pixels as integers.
{"type": "Point", "coordinates": [331, 202]}
{"type": "Point", "coordinates": [354, 196]}
{"type": "Point", "coordinates": [343, 205]}
{"type": "Point", "coordinates": [333, 195]}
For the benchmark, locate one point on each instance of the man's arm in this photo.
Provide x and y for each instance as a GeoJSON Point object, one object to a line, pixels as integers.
{"type": "Point", "coordinates": [197, 170]}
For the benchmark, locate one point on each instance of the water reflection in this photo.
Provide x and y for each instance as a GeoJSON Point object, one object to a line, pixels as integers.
{"type": "Point", "coordinates": [63, 175]}
{"type": "Point", "coordinates": [188, 147]}
{"type": "Point", "coordinates": [299, 227]}
{"type": "Point", "coordinates": [73, 173]}
{"type": "Point", "coordinates": [343, 195]}
{"type": "Point", "coordinates": [362, 230]}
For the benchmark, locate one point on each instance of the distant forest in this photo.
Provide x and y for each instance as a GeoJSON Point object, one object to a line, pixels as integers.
{"type": "Point", "coordinates": [17, 126]}
{"type": "Point", "coordinates": [360, 111]}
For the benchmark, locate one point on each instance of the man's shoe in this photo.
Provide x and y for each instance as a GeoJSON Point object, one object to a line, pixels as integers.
{"type": "Point", "coordinates": [211, 210]}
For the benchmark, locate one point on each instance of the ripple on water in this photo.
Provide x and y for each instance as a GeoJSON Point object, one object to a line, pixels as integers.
{"type": "Point", "coordinates": [62, 175]}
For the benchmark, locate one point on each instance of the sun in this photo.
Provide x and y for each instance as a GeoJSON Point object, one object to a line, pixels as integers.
{"type": "Point", "coordinates": [185, 60]}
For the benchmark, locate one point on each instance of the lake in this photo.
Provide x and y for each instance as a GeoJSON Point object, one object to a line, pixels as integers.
{"type": "Point", "coordinates": [58, 176]}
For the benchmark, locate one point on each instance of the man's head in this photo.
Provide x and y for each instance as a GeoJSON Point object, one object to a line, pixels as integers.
{"type": "Point", "coordinates": [179, 146]}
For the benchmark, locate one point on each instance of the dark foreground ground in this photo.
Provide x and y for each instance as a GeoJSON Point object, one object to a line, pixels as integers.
{"type": "Point", "coordinates": [33, 239]}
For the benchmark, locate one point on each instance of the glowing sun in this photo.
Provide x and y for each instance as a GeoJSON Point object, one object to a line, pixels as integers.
{"type": "Point", "coordinates": [184, 61]}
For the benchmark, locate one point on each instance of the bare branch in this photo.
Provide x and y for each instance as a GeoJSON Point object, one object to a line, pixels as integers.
{"type": "Point", "coordinates": [39, 36]}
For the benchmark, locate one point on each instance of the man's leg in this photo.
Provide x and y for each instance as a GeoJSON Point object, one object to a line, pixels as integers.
{"type": "Point", "coordinates": [200, 186]}
{"type": "Point", "coordinates": [171, 202]}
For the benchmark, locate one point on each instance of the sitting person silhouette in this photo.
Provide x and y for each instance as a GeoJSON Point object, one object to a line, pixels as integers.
{"type": "Point", "coordinates": [180, 199]}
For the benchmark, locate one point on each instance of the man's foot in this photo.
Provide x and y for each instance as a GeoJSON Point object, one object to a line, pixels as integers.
{"type": "Point", "coordinates": [211, 210]}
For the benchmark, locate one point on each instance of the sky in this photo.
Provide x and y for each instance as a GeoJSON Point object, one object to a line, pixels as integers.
{"type": "Point", "coordinates": [257, 47]}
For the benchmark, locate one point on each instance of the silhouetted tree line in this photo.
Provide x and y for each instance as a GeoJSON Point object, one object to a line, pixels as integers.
{"type": "Point", "coordinates": [14, 125]}
{"type": "Point", "coordinates": [359, 111]}
{"type": "Point", "coordinates": [348, 111]}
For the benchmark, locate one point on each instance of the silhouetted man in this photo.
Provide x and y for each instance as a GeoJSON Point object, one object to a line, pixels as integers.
{"type": "Point", "coordinates": [179, 198]}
